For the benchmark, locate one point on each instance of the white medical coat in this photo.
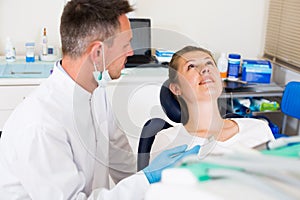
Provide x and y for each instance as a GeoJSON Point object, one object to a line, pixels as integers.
{"type": "Point", "coordinates": [51, 148]}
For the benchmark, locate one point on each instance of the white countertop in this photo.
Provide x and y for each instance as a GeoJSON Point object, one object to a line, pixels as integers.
{"type": "Point", "coordinates": [129, 75]}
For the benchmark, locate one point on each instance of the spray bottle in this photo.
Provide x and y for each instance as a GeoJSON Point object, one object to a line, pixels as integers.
{"type": "Point", "coordinates": [222, 66]}
{"type": "Point", "coordinates": [10, 51]}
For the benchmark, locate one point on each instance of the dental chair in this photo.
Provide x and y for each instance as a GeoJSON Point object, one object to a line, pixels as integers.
{"type": "Point", "coordinates": [173, 111]}
{"type": "Point", "coordinates": [290, 104]}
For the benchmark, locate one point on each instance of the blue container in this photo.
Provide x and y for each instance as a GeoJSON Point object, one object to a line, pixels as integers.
{"type": "Point", "coordinates": [30, 57]}
{"type": "Point", "coordinates": [234, 62]}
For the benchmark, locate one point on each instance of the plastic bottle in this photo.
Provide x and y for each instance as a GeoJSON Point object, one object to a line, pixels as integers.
{"type": "Point", "coordinates": [223, 66]}
{"type": "Point", "coordinates": [269, 106]}
{"type": "Point", "coordinates": [234, 61]}
{"type": "Point", "coordinates": [256, 103]}
{"type": "Point", "coordinates": [264, 105]}
{"type": "Point", "coordinates": [10, 51]}
{"type": "Point", "coordinates": [30, 57]}
{"type": "Point", "coordinates": [44, 43]}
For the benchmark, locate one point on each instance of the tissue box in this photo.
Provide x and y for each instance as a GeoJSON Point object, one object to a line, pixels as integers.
{"type": "Point", "coordinates": [256, 71]}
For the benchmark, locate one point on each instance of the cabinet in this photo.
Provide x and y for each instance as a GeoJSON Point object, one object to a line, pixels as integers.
{"type": "Point", "coordinates": [17, 80]}
{"type": "Point", "coordinates": [12, 93]}
{"type": "Point", "coordinates": [135, 99]}
{"type": "Point", "coordinates": [272, 92]}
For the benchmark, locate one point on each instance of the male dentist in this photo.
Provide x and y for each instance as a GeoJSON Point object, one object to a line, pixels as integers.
{"type": "Point", "coordinates": [62, 142]}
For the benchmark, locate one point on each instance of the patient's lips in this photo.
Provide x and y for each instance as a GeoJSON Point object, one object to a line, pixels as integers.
{"type": "Point", "coordinates": [206, 80]}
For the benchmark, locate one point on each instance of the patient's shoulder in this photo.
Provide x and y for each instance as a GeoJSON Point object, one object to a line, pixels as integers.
{"type": "Point", "coordinates": [254, 128]}
{"type": "Point", "coordinates": [251, 121]}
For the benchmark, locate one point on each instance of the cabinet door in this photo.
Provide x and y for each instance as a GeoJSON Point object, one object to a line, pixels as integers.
{"type": "Point", "coordinates": [135, 99]}
{"type": "Point", "coordinates": [10, 97]}
{"type": "Point", "coordinates": [133, 105]}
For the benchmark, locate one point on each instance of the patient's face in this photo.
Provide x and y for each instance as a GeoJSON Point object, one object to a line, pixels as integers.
{"type": "Point", "coordinates": [199, 78]}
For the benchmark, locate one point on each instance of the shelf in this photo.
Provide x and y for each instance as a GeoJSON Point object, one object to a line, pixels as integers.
{"type": "Point", "coordinates": [265, 112]}
{"type": "Point", "coordinates": [255, 90]}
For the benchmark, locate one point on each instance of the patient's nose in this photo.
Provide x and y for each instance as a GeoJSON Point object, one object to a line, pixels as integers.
{"type": "Point", "coordinates": [203, 70]}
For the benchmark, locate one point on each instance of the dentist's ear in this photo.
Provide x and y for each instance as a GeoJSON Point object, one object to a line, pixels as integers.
{"type": "Point", "coordinates": [95, 51]}
{"type": "Point", "coordinates": [100, 48]}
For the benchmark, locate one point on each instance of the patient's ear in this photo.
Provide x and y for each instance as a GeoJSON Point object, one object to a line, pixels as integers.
{"type": "Point", "coordinates": [175, 89]}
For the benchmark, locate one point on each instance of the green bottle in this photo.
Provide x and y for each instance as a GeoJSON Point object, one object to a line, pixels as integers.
{"type": "Point", "coordinates": [269, 106]}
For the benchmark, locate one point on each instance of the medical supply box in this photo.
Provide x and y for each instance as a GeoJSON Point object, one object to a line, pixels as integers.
{"type": "Point", "coordinates": [256, 71]}
{"type": "Point", "coordinates": [163, 53]}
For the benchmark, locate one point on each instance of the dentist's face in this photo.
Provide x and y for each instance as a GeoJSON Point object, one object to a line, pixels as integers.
{"type": "Point", "coordinates": [198, 77]}
{"type": "Point", "coordinates": [116, 55]}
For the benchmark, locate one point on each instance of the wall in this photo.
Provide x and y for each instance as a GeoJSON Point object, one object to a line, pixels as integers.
{"type": "Point", "coordinates": [221, 26]}
{"type": "Point", "coordinates": [24, 21]}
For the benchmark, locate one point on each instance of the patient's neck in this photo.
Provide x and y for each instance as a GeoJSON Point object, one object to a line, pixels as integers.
{"type": "Point", "coordinates": [204, 119]}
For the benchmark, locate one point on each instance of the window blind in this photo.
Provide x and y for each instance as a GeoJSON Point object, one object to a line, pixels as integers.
{"type": "Point", "coordinates": [282, 42]}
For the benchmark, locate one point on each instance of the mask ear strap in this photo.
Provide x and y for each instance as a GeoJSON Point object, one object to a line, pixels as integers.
{"type": "Point", "coordinates": [95, 66]}
{"type": "Point", "coordinates": [103, 57]}
{"type": "Point", "coordinates": [99, 76]}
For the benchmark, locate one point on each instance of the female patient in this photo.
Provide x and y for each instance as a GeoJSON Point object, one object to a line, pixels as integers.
{"type": "Point", "coordinates": [195, 82]}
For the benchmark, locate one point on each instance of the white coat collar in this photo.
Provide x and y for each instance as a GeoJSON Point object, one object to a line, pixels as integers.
{"type": "Point", "coordinates": [59, 72]}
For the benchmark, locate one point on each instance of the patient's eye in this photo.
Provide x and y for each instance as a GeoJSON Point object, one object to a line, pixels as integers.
{"type": "Point", "coordinates": [210, 64]}
{"type": "Point", "coordinates": [191, 66]}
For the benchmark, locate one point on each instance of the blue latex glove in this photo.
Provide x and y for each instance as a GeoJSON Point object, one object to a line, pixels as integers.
{"type": "Point", "coordinates": [166, 159]}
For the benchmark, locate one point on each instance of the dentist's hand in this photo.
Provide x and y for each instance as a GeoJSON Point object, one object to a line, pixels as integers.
{"type": "Point", "coordinates": [166, 159]}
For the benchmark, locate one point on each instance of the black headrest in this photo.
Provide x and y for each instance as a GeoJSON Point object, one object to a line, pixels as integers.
{"type": "Point", "coordinates": [169, 103]}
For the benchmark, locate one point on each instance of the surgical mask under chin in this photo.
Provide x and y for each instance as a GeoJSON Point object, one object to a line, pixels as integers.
{"type": "Point", "coordinates": [102, 78]}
